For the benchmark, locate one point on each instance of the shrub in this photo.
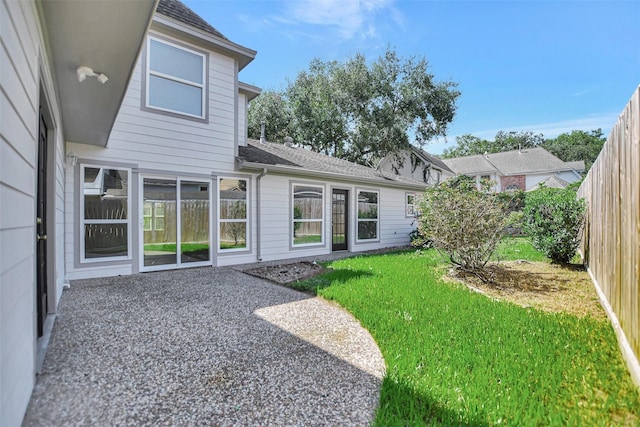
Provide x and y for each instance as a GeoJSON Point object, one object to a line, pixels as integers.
{"type": "Point", "coordinates": [513, 200]}
{"type": "Point", "coordinates": [462, 223]}
{"type": "Point", "coordinates": [554, 220]}
{"type": "Point", "coordinates": [418, 241]}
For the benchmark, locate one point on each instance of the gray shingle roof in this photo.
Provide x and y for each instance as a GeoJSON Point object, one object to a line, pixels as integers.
{"type": "Point", "coordinates": [578, 165]}
{"type": "Point", "coordinates": [471, 165]}
{"type": "Point", "coordinates": [432, 159]}
{"type": "Point", "coordinates": [516, 162]}
{"type": "Point", "coordinates": [180, 12]}
{"type": "Point", "coordinates": [300, 160]}
{"type": "Point", "coordinates": [551, 182]}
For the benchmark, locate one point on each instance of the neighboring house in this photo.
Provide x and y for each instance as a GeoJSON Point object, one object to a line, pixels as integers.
{"type": "Point", "coordinates": [517, 169]}
{"type": "Point", "coordinates": [577, 166]}
{"type": "Point", "coordinates": [416, 164]}
{"type": "Point", "coordinates": [151, 169]}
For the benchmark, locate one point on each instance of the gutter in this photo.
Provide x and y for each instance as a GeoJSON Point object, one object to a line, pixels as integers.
{"type": "Point", "coordinates": [258, 234]}
{"type": "Point", "coordinates": [324, 174]}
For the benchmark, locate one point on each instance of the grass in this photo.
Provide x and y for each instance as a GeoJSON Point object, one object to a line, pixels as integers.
{"type": "Point", "coordinates": [515, 248]}
{"type": "Point", "coordinates": [455, 357]}
{"type": "Point", "coordinates": [171, 247]}
{"type": "Point", "coordinates": [299, 240]}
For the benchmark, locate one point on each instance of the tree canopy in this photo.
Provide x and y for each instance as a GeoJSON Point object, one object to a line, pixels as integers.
{"type": "Point", "coordinates": [468, 145]}
{"type": "Point", "coordinates": [577, 145]}
{"type": "Point", "coordinates": [358, 110]}
{"type": "Point", "coordinates": [274, 111]}
{"type": "Point", "coordinates": [568, 147]}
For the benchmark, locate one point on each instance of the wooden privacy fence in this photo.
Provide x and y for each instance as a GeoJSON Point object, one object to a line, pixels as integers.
{"type": "Point", "coordinates": [612, 231]}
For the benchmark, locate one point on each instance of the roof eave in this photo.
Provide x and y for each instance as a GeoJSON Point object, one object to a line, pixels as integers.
{"type": "Point", "coordinates": [537, 171]}
{"type": "Point", "coordinates": [250, 90]}
{"type": "Point", "coordinates": [244, 55]}
{"type": "Point", "coordinates": [82, 34]}
{"type": "Point", "coordinates": [242, 165]}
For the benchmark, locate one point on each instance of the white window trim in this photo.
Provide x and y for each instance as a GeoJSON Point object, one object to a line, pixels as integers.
{"type": "Point", "coordinates": [292, 219]}
{"type": "Point", "coordinates": [148, 72]}
{"type": "Point", "coordinates": [246, 220]}
{"type": "Point", "coordinates": [358, 220]}
{"type": "Point", "coordinates": [83, 221]}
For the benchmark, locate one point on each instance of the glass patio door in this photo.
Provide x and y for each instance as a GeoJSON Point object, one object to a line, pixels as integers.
{"type": "Point", "coordinates": [175, 223]}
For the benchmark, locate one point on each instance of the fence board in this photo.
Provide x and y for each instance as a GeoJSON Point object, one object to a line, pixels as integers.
{"type": "Point", "coordinates": [612, 231]}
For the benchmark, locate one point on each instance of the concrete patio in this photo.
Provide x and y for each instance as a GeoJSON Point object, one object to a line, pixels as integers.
{"type": "Point", "coordinates": [204, 346]}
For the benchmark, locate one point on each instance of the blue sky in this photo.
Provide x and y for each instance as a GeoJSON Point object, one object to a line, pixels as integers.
{"type": "Point", "coordinates": [543, 66]}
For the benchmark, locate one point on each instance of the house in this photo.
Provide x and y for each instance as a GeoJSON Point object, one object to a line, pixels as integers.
{"type": "Point", "coordinates": [518, 169]}
{"type": "Point", "coordinates": [124, 150]}
{"type": "Point", "coordinates": [416, 164]}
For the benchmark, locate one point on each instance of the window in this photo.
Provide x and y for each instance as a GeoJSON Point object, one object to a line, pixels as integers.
{"type": "Point", "coordinates": [411, 204]}
{"type": "Point", "coordinates": [367, 215]}
{"type": "Point", "coordinates": [153, 215]}
{"type": "Point", "coordinates": [175, 79]}
{"type": "Point", "coordinates": [307, 214]}
{"type": "Point", "coordinates": [177, 231]}
{"type": "Point", "coordinates": [233, 214]}
{"type": "Point", "coordinates": [147, 215]}
{"type": "Point", "coordinates": [104, 214]}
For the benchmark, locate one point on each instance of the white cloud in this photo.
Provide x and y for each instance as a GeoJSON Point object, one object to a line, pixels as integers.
{"type": "Point", "coordinates": [348, 18]}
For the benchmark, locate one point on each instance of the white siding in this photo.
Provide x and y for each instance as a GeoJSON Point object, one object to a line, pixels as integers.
{"type": "Point", "coordinates": [158, 143]}
{"type": "Point", "coordinates": [22, 59]}
{"type": "Point", "coordinates": [394, 226]}
{"type": "Point", "coordinates": [533, 180]}
{"type": "Point", "coordinates": [242, 120]}
{"type": "Point", "coordinates": [407, 170]}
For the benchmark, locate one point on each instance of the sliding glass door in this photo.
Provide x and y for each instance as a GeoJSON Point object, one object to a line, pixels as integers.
{"type": "Point", "coordinates": [176, 223]}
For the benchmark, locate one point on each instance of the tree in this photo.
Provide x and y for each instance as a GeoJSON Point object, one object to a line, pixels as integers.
{"type": "Point", "coordinates": [463, 223]}
{"type": "Point", "coordinates": [395, 98]}
{"type": "Point", "coordinates": [467, 145]}
{"type": "Point", "coordinates": [577, 145]}
{"type": "Point", "coordinates": [362, 112]}
{"type": "Point", "coordinates": [272, 108]}
{"type": "Point", "coordinates": [321, 123]}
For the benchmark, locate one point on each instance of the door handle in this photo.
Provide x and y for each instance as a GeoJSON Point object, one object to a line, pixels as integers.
{"type": "Point", "coordinates": [41, 237]}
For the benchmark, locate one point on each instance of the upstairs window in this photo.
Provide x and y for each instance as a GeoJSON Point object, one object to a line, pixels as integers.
{"type": "Point", "coordinates": [176, 79]}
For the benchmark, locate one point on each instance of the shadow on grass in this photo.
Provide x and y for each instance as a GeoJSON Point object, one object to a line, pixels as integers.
{"type": "Point", "coordinates": [327, 278]}
{"type": "Point", "coordinates": [400, 405]}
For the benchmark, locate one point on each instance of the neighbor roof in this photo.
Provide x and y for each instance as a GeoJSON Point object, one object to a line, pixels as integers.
{"type": "Point", "coordinates": [471, 165]}
{"type": "Point", "coordinates": [578, 165]}
{"type": "Point", "coordinates": [300, 161]}
{"type": "Point", "coordinates": [551, 182]}
{"type": "Point", "coordinates": [516, 162]}
{"type": "Point", "coordinates": [180, 12]}
{"type": "Point", "coordinates": [432, 159]}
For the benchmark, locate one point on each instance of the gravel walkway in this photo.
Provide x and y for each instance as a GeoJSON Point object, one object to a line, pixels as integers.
{"type": "Point", "coordinates": [204, 346]}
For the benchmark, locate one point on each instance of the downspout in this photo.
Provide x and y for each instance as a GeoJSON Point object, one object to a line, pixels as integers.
{"type": "Point", "coordinates": [258, 241]}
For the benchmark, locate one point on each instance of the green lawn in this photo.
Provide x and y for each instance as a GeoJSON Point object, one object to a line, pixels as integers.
{"type": "Point", "coordinates": [455, 357]}
{"type": "Point", "coordinates": [299, 240]}
{"type": "Point", "coordinates": [514, 248]}
{"type": "Point", "coordinates": [171, 247]}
